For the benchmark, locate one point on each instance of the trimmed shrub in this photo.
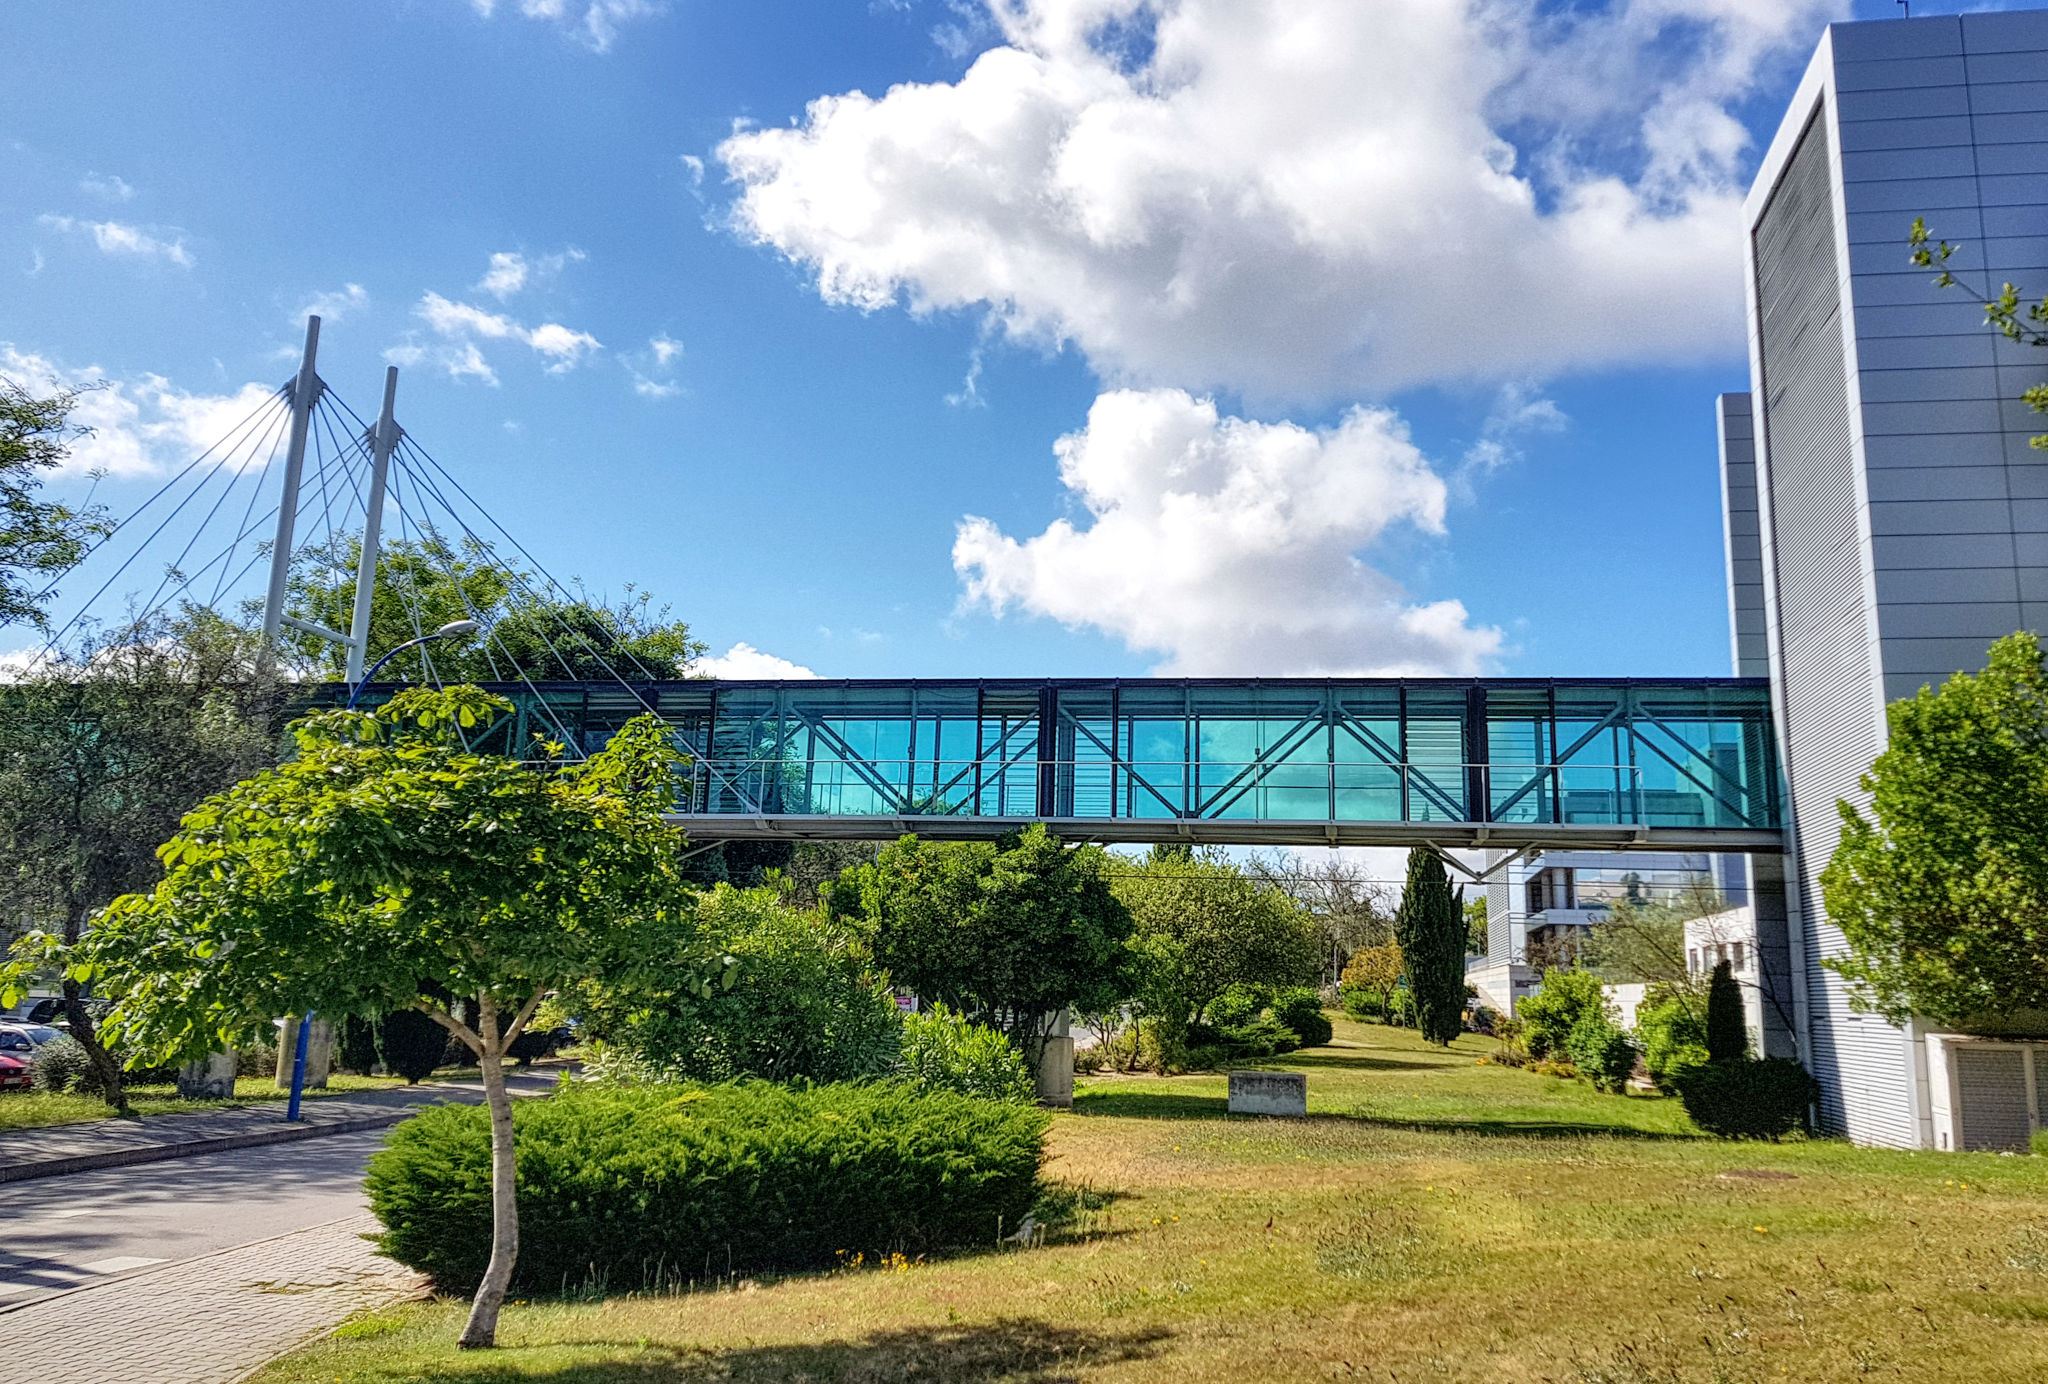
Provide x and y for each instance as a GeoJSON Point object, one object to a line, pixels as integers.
{"type": "Point", "coordinates": [411, 1044]}
{"type": "Point", "coordinates": [943, 1051]}
{"type": "Point", "coordinates": [656, 1185]}
{"type": "Point", "coordinates": [1603, 1054]}
{"type": "Point", "coordinates": [1301, 1009]}
{"type": "Point", "coordinates": [1749, 1097]}
{"type": "Point", "coordinates": [1673, 1039]}
{"type": "Point", "coordinates": [1549, 1016]}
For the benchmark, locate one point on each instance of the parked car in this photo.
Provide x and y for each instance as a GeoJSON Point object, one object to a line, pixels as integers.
{"type": "Point", "coordinates": [14, 1071]}
{"type": "Point", "coordinates": [24, 1039]}
{"type": "Point", "coordinates": [49, 1010]}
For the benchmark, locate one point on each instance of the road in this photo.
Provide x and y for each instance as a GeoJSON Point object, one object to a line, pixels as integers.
{"type": "Point", "coordinates": [63, 1232]}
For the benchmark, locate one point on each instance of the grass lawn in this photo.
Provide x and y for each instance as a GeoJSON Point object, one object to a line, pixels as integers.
{"type": "Point", "coordinates": [1434, 1219]}
{"type": "Point", "coordinates": [34, 1109]}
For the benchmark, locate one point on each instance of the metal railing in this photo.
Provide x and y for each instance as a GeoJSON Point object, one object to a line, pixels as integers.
{"type": "Point", "coordinates": [1280, 790]}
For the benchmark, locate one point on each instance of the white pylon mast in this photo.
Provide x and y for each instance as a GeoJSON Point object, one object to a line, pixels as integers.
{"type": "Point", "coordinates": [383, 439]}
{"type": "Point", "coordinates": [306, 389]}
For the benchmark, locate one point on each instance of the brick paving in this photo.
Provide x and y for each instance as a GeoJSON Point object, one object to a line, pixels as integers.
{"type": "Point", "coordinates": [210, 1320]}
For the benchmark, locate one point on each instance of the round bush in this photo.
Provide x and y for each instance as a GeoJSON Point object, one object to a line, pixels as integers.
{"type": "Point", "coordinates": [59, 1065]}
{"type": "Point", "coordinates": [1301, 1009]}
{"type": "Point", "coordinates": [655, 1185]}
{"type": "Point", "coordinates": [1748, 1097]}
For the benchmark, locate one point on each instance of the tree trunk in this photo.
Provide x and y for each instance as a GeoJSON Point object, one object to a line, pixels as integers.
{"type": "Point", "coordinates": [112, 1087]}
{"type": "Point", "coordinates": [482, 1331]}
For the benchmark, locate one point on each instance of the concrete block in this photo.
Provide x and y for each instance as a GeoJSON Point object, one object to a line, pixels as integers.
{"type": "Point", "coordinates": [1268, 1093]}
{"type": "Point", "coordinates": [210, 1078]}
{"type": "Point", "coordinates": [319, 1053]}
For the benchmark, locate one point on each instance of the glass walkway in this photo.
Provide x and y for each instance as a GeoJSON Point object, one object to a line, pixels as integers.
{"type": "Point", "coordinates": [1679, 764]}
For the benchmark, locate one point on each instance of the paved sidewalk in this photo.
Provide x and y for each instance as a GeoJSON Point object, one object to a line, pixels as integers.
{"type": "Point", "coordinates": [209, 1320]}
{"type": "Point", "coordinates": [53, 1150]}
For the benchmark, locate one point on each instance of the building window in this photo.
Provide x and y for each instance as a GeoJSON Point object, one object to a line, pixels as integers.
{"type": "Point", "coordinates": [1692, 959]}
{"type": "Point", "coordinates": [1738, 956]}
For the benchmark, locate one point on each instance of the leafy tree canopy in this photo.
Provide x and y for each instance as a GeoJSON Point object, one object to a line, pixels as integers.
{"type": "Point", "coordinates": [1009, 932]}
{"type": "Point", "coordinates": [38, 538]}
{"type": "Point", "coordinates": [423, 584]}
{"type": "Point", "coordinates": [102, 754]}
{"type": "Point", "coordinates": [1202, 926]}
{"type": "Point", "coordinates": [387, 866]}
{"type": "Point", "coordinates": [1942, 889]}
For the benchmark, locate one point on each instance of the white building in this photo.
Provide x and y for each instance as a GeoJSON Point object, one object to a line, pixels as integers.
{"type": "Point", "coordinates": [1886, 517]}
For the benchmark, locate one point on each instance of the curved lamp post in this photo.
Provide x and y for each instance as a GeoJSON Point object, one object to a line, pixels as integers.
{"type": "Point", "coordinates": [447, 631]}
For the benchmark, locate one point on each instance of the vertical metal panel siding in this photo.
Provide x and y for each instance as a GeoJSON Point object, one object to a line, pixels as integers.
{"type": "Point", "coordinates": [1740, 521]}
{"type": "Point", "coordinates": [1831, 730]}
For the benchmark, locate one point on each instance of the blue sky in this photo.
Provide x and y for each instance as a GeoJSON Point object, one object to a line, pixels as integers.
{"type": "Point", "coordinates": [675, 327]}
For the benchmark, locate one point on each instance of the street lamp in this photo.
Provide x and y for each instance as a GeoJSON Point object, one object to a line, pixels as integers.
{"type": "Point", "coordinates": [447, 631]}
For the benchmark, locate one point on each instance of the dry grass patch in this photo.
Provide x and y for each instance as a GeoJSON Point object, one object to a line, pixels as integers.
{"type": "Point", "coordinates": [1358, 1245]}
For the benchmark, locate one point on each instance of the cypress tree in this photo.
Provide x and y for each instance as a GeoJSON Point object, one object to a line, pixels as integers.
{"type": "Point", "coordinates": [411, 1044]}
{"type": "Point", "coordinates": [1727, 1034]}
{"type": "Point", "coordinates": [358, 1044]}
{"type": "Point", "coordinates": [1430, 926]}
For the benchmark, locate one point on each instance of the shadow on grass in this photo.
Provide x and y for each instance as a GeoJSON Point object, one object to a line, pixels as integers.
{"type": "Point", "coordinates": [1014, 1350]}
{"type": "Point", "coordinates": [1519, 1129]}
{"type": "Point", "coordinates": [1355, 1059]}
{"type": "Point", "coordinates": [1176, 1105]}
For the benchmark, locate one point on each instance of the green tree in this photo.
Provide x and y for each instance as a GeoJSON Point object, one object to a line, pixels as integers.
{"type": "Point", "coordinates": [1008, 932]}
{"type": "Point", "coordinates": [38, 539]}
{"type": "Point", "coordinates": [2005, 313]}
{"type": "Point", "coordinates": [1942, 890]}
{"type": "Point", "coordinates": [423, 584]}
{"type": "Point", "coordinates": [1430, 926]}
{"type": "Point", "coordinates": [1727, 1034]}
{"type": "Point", "coordinates": [758, 990]}
{"type": "Point", "coordinates": [100, 756]}
{"type": "Point", "coordinates": [1201, 926]}
{"type": "Point", "coordinates": [387, 867]}
{"type": "Point", "coordinates": [1475, 927]}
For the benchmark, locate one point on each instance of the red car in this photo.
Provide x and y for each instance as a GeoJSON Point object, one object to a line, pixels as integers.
{"type": "Point", "coordinates": [13, 1072]}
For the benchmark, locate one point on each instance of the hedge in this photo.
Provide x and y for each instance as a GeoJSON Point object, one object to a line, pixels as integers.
{"type": "Point", "coordinates": [1748, 1097]}
{"type": "Point", "coordinates": [650, 1186]}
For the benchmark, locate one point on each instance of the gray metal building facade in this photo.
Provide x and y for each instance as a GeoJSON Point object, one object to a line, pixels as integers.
{"type": "Point", "coordinates": [1886, 518]}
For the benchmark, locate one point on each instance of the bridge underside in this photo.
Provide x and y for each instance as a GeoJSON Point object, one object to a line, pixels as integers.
{"type": "Point", "coordinates": [1510, 763]}
{"type": "Point", "coordinates": [710, 827]}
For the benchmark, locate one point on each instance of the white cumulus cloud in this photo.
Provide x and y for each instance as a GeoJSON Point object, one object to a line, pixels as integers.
{"type": "Point", "coordinates": [1300, 198]}
{"type": "Point", "coordinates": [458, 328]}
{"type": "Point", "coordinates": [142, 426]}
{"type": "Point", "coordinates": [743, 660]}
{"type": "Point", "coordinates": [122, 240]}
{"type": "Point", "coordinates": [1231, 547]}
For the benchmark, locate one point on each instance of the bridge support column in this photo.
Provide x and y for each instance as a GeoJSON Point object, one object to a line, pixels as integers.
{"type": "Point", "coordinates": [1056, 1064]}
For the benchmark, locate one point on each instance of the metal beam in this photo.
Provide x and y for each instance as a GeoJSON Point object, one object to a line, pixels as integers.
{"type": "Point", "coordinates": [705, 826]}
